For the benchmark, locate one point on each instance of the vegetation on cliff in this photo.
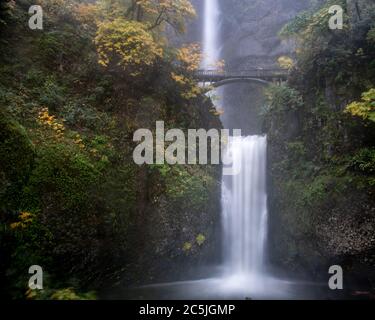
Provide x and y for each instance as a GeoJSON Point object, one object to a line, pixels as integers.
{"type": "Point", "coordinates": [71, 96]}
{"type": "Point", "coordinates": [322, 152]}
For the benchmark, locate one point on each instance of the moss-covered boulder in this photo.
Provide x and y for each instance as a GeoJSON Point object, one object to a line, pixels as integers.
{"type": "Point", "coordinates": [17, 155]}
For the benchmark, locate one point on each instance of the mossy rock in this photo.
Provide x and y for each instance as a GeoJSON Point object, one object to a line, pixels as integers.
{"type": "Point", "coordinates": [17, 155]}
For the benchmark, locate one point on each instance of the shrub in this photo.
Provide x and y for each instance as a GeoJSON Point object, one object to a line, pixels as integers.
{"type": "Point", "coordinates": [126, 44]}
{"type": "Point", "coordinates": [365, 108]}
{"type": "Point", "coordinates": [17, 156]}
{"type": "Point", "coordinates": [364, 161]}
{"type": "Point", "coordinates": [282, 98]}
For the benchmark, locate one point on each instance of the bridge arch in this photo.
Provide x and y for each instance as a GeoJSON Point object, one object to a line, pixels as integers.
{"type": "Point", "coordinates": [261, 76]}
{"type": "Point", "coordinates": [240, 80]}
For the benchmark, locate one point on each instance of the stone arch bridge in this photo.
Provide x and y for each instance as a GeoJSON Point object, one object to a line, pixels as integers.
{"type": "Point", "coordinates": [219, 78]}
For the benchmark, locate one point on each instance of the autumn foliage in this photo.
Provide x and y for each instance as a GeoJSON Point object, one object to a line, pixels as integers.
{"type": "Point", "coordinates": [126, 44]}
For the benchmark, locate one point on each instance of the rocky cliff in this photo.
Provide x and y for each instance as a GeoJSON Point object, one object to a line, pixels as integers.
{"type": "Point", "coordinates": [321, 160]}
{"type": "Point", "coordinates": [250, 39]}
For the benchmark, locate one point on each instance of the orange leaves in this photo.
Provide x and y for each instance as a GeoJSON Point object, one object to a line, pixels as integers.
{"type": "Point", "coordinates": [86, 13]}
{"type": "Point", "coordinates": [190, 88]}
{"type": "Point", "coordinates": [188, 59]}
{"type": "Point", "coordinates": [180, 79]}
{"type": "Point", "coordinates": [365, 108]}
{"type": "Point", "coordinates": [126, 44]}
{"type": "Point", "coordinates": [190, 56]}
{"type": "Point", "coordinates": [49, 121]}
{"type": "Point", "coordinates": [172, 12]}
{"type": "Point", "coordinates": [78, 141]}
{"type": "Point", "coordinates": [285, 62]}
{"type": "Point", "coordinates": [25, 218]}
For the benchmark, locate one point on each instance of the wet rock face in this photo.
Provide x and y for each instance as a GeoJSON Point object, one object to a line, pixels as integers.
{"type": "Point", "coordinates": [338, 226]}
{"type": "Point", "coordinates": [175, 231]}
{"type": "Point", "coordinates": [250, 30]}
{"type": "Point", "coordinates": [349, 230]}
{"type": "Point", "coordinates": [250, 39]}
{"type": "Point", "coordinates": [194, 28]}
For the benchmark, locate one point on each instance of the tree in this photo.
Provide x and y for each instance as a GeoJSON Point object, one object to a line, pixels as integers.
{"type": "Point", "coordinates": [189, 57]}
{"type": "Point", "coordinates": [365, 108]}
{"type": "Point", "coordinates": [4, 11]}
{"type": "Point", "coordinates": [126, 44]}
{"type": "Point", "coordinates": [172, 12]}
{"type": "Point", "coordinates": [285, 62]}
{"type": "Point", "coordinates": [371, 35]}
{"type": "Point", "coordinates": [155, 13]}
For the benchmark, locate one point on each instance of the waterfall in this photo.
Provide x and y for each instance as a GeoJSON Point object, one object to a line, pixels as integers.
{"type": "Point", "coordinates": [244, 199]}
{"type": "Point", "coordinates": [244, 214]}
{"type": "Point", "coordinates": [211, 51]}
{"type": "Point", "coordinates": [244, 204]}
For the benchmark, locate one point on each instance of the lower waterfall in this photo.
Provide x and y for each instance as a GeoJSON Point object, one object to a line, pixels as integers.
{"type": "Point", "coordinates": [244, 205]}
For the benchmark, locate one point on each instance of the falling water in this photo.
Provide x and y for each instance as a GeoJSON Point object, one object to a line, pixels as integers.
{"type": "Point", "coordinates": [244, 195]}
{"type": "Point", "coordinates": [211, 50]}
{"type": "Point", "coordinates": [244, 214]}
{"type": "Point", "coordinates": [244, 202]}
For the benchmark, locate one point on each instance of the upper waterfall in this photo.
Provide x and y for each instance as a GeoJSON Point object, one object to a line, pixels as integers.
{"type": "Point", "coordinates": [211, 49]}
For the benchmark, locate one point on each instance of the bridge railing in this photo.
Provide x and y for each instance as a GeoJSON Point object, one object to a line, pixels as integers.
{"type": "Point", "coordinates": [249, 73]}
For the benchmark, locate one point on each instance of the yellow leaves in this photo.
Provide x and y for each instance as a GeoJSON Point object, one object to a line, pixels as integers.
{"type": "Point", "coordinates": [173, 12]}
{"type": "Point", "coordinates": [180, 79]}
{"type": "Point", "coordinates": [78, 141]}
{"type": "Point", "coordinates": [285, 62]}
{"type": "Point", "coordinates": [217, 112]}
{"type": "Point", "coordinates": [65, 294]}
{"type": "Point", "coordinates": [126, 44]}
{"type": "Point", "coordinates": [365, 108]}
{"type": "Point", "coordinates": [94, 151]}
{"type": "Point", "coordinates": [86, 13]}
{"type": "Point", "coordinates": [192, 92]}
{"type": "Point", "coordinates": [190, 57]}
{"type": "Point", "coordinates": [49, 121]}
{"type": "Point", "coordinates": [200, 239]}
{"type": "Point", "coordinates": [358, 109]}
{"type": "Point", "coordinates": [58, 129]}
{"type": "Point", "coordinates": [25, 218]}
{"type": "Point", "coordinates": [103, 61]}
{"type": "Point", "coordinates": [15, 225]}
{"type": "Point", "coordinates": [31, 294]}
{"type": "Point", "coordinates": [187, 246]}
{"type": "Point", "coordinates": [190, 88]}
{"type": "Point", "coordinates": [149, 7]}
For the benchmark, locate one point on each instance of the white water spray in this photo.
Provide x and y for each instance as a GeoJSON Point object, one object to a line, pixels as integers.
{"type": "Point", "coordinates": [244, 198]}
{"type": "Point", "coordinates": [244, 204]}
{"type": "Point", "coordinates": [244, 216]}
{"type": "Point", "coordinates": [211, 52]}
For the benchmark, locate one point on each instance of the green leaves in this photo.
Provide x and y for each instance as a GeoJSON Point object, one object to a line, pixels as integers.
{"type": "Point", "coordinates": [364, 108]}
{"type": "Point", "coordinates": [371, 35]}
{"type": "Point", "coordinates": [283, 98]}
{"type": "Point", "coordinates": [200, 239]}
{"type": "Point", "coordinates": [364, 161]}
{"type": "Point", "coordinates": [311, 24]}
